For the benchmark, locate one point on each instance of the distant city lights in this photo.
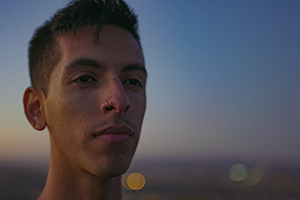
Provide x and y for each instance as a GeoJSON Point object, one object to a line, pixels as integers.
{"type": "Point", "coordinates": [243, 181]}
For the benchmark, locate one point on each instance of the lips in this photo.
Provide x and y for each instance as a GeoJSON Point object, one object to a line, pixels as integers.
{"type": "Point", "coordinates": [114, 133]}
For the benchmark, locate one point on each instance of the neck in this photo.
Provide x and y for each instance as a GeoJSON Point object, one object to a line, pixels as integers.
{"type": "Point", "coordinates": [74, 183]}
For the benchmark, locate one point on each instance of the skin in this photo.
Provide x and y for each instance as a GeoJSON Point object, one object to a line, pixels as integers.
{"type": "Point", "coordinates": [95, 90]}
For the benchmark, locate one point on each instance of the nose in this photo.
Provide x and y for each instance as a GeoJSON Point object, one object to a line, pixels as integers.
{"type": "Point", "coordinates": [115, 99]}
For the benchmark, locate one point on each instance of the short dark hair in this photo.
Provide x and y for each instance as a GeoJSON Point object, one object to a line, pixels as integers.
{"type": "Point", "coordinates": [44, 52]}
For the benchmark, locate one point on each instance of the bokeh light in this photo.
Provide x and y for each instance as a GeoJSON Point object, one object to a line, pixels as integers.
{"type": "Point", "coordinates": [151, 196]}
{"type": "Point", "coordinates": [133, 181]}
{"type": "Point", "coordinates": [257, 174]}
{"type": "Point", "coordinates": [238, 172]}
{"type": "Point", "coordinates": [285, 182]}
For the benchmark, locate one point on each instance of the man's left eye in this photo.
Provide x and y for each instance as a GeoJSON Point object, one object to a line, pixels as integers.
{"type": "Point", "coordinates": [84, 79]}
{"type": "Point", "coordinates": [133, 82]}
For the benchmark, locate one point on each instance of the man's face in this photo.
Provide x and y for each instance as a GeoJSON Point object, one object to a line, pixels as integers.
{"type": "Point", "coordinates": [96, 101]}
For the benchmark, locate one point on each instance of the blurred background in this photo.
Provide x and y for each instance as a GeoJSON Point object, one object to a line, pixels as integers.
{"type": "Point", "coordinates": [223, 113]}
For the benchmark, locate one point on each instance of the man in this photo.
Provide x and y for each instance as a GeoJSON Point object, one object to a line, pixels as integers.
{"type": "Point", "coordinates": [88, 88]}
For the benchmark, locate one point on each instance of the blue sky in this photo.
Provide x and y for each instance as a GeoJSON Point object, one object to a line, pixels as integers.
{"type": "Point", "coordinates": [223, 79]}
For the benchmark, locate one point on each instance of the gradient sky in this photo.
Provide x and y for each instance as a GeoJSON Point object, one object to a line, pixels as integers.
{"type": "Point", "coordinates": [224, 79]}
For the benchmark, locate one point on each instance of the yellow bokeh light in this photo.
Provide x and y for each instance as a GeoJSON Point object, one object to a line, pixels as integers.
{"type": "Point", "coordinates": [133, 181]}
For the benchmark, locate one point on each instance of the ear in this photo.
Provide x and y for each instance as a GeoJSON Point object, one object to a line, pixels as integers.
{"type": "Point", "coordinates": [33, 108]}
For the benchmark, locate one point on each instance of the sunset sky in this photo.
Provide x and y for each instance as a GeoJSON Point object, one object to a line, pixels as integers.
{"type": "Point", "coordinates": [224, 79]}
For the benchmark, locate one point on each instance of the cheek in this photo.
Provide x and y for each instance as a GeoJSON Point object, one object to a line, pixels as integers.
{"type": "Point", "coordinates": [138, 106]}
{"type": "Point", "coordinates": [67, 124]}
{"type": "Point", "coordinates": [65, 114]}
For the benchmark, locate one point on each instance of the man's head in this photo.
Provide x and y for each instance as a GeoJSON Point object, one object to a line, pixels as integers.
{"type": "Point", "coordinates": [89, 78]}
{"type": "Point", "coordinates": [44, 52]}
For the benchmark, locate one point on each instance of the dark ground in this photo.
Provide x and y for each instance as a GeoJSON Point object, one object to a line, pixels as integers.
{"type": "Point", "coordinates": [174, 180]}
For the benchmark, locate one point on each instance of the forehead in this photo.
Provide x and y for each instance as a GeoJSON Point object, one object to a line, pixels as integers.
{"type": "Point", "coordinates": [112, 42]}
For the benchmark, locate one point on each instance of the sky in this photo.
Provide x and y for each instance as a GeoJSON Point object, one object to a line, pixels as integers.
{"type": "Point", "coordinates": [223, 79]}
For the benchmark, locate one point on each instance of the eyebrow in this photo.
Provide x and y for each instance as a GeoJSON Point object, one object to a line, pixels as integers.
{"type": "Point", "coordinates": [85, 62]}
{"type": "Point", "coordinates": [135, 66]}
{"type": "Point", "coordinates": [96, 64]}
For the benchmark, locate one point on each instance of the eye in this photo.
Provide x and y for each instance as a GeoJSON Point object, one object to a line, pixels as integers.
{"type": "Point", "coordinates": [133, 82]}
{"type": "Point", "coordinates": [84, 79]}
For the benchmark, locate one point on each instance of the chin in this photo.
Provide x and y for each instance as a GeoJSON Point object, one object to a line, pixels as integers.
{"type": "Point", "coordinates": [110, 168]}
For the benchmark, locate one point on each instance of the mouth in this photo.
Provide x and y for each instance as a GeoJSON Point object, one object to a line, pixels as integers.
{"type": "Point", "coordinates": [114, 134]}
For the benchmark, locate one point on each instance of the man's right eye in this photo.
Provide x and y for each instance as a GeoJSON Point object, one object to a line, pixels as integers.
{"type": "Point", "coordinates": [84, 79]}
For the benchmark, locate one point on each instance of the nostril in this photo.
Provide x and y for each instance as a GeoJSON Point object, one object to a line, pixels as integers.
{"type": "Point", "coordinates": [106, 106]}
{"type": "Point", "coordinates": [127, 108]}
{"type": "Point", "coordinates": [109, 108]}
